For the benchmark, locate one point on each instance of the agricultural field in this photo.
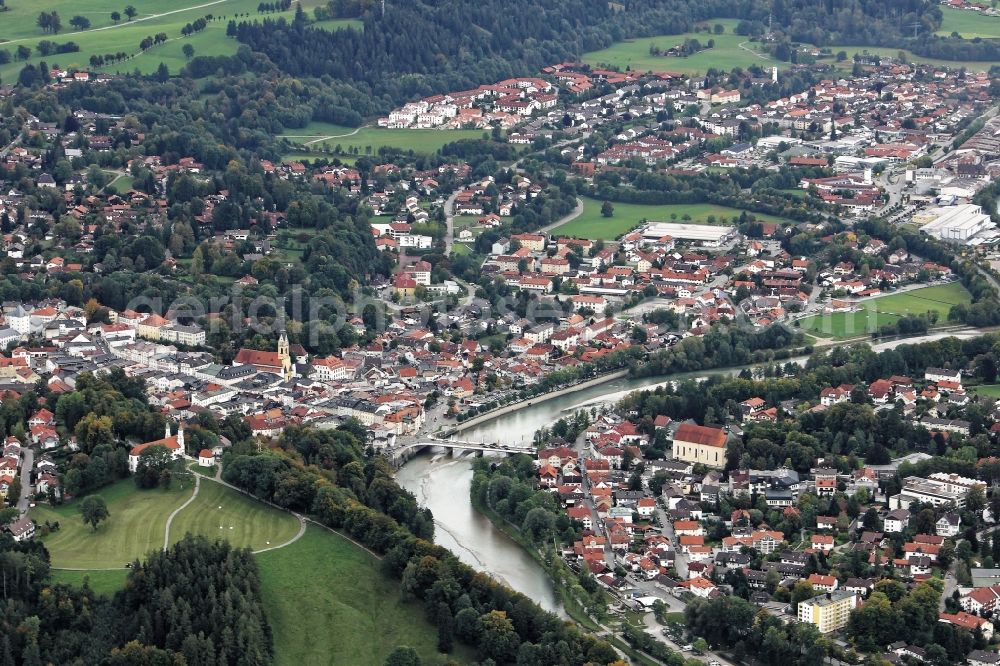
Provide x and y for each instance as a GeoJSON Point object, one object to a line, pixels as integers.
{"type": "Point", "coordinates": [18, 27]}
{"type": "Point", "coordinates": [730, 50]}
{"type": "Point", "coordinates": [105, 582]}
{"type": "Point", "coordinates": [591, 224]}
{"type": "Point", "coordinates": [968, 24]}
{"type": "Point", "coordinates": [221, 512]}
{"type": "Point", "coordinates": [134, 527]}
{"type": "Point", "coordinates": [324, 595]}
{"type": "Point", "coordinates": [878, 312]}
{"type": "Point", "coordinates": [367, 140]}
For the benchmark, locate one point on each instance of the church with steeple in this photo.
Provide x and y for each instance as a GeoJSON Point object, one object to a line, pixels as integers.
{"type": "Point", "coordinates": [277, 363]}
{"type": "Point", "coordinates": [174, 443]}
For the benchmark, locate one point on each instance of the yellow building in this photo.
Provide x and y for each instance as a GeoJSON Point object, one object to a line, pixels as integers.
{"type": "Point", "coordinates": [149, 328]}
{"type": "Point", "coordinates": [828, 612]}
{"type": "Point", "coordinates": [700, 445]}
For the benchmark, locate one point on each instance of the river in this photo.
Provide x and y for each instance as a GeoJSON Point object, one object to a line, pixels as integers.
{"type": "Point", "coordinates": [442, 483]}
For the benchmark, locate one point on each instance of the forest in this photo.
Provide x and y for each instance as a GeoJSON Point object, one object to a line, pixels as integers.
{"type": "Point", "coordinates": [421, 49]}
{"type": "Point", "coordinates": [196, 603]}
{"type": "Point", "coordinates": [436, 45]}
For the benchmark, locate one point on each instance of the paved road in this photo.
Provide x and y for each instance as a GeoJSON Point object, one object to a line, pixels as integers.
{"type": "Point", "coordinates": [27, 465]}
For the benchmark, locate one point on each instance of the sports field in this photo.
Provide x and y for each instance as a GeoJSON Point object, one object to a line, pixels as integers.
{"type": "Point", "coordinates": [878, 312]}
{"type": "Point", "coordinates": [328, 602]}
{"type": "Point", "coordinates": [134, 527]}
{"type": "Point", "coordinates": [591, 224]}
{"type": "Point", "coordinates": [220, 512]}
{"type": "Point", "coordinates": [730, 50]}
{"type": "Point", "coordinates": [367, 140]}
{"type": "Point", "coordinates": [968, 24]}
{"type": "Point", "coordinates": [18, 27]}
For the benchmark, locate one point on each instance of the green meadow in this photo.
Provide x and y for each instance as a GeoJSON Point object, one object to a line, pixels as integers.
{"type": "Point", "coordinates": [591, 224]}
{"type": "Point", "coordinates": [968, 24]}
{"type": "Point", "coordinates": [368, 140]}
{"type": "Point", "coordinates": [18, 26]}
{"type": "Point", "coordinates": [328, 602]}
{"type": "Point", "coordinates": [730, 50]}
{"type": "Point", "coordinates": [878, 312]}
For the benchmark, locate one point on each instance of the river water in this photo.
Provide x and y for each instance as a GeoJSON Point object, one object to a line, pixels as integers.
{"type": "Point", "coordinates": [442, 483]}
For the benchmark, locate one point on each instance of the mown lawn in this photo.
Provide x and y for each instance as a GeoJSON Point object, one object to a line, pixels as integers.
{"type": "Point", "coordinates": [101, 582]}
{"type": "Point", "coordinates": [134, 527]}
{"type": "Point", "coordinates": [591, 224]}
{"type": "Point", "coordinates": [877, 312]}
{"type": "Point", "coordinates": [989, 390]}
{"type": "Point", "coordinates": [725, 55]}
{"type": "Point", "coordinates": [222, 513]}
{"type": "Point", "coordinates": [328, 603]}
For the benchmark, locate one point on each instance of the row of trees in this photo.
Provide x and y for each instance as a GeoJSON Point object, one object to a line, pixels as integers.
{"type": "Point", "coordinates": [347, 491]}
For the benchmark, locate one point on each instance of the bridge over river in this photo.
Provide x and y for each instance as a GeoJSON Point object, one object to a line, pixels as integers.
{"type": "Point", "coordinates": [457, 447]}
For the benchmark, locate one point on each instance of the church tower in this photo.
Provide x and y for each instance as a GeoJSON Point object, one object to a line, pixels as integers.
{"type": "Point", "coordinates": [286, 357]}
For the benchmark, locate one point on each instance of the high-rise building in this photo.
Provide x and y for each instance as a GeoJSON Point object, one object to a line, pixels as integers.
{"type": "Point", "coordinates": [828, 612]}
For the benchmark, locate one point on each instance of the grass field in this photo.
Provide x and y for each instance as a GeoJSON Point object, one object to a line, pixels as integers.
{"type": "Point", "coordinates": [316, 130]}
{"type": "Point", "coordinates": [242, 521]}
{"type": "Point", "coordinates": [726, 54]}
{"type": "Point", "coordinates": [989, 390]}
{"type": "Point", "coordinates": [883, 310]}
{"type": "Point", "coordinates": [101, 582]}
{"type": "Point", "coordinates": [18, 27]}
{"type": "Point", "coordinates": [135, 526]}
{"type": "Point", "coordinates": [968, 24]}
{"type": "Point", "coordinates": [732, 50]}
{"type": "Point", "coordinates": [591, 224]}
{"type": "Point", "coordinates": [972, 65]}
{"type": "Point", "coordinates": [329, 603]}
{"type": "Point", "coordinates": [368, 140]}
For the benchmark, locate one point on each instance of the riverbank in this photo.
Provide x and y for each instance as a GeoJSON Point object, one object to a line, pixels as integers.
{"type": "Point", "coordinates": [543, 397]}
{"type": "Point", "coordinates": [444, 485]}
{"type": "Point", "coordinates": [574, 609]}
